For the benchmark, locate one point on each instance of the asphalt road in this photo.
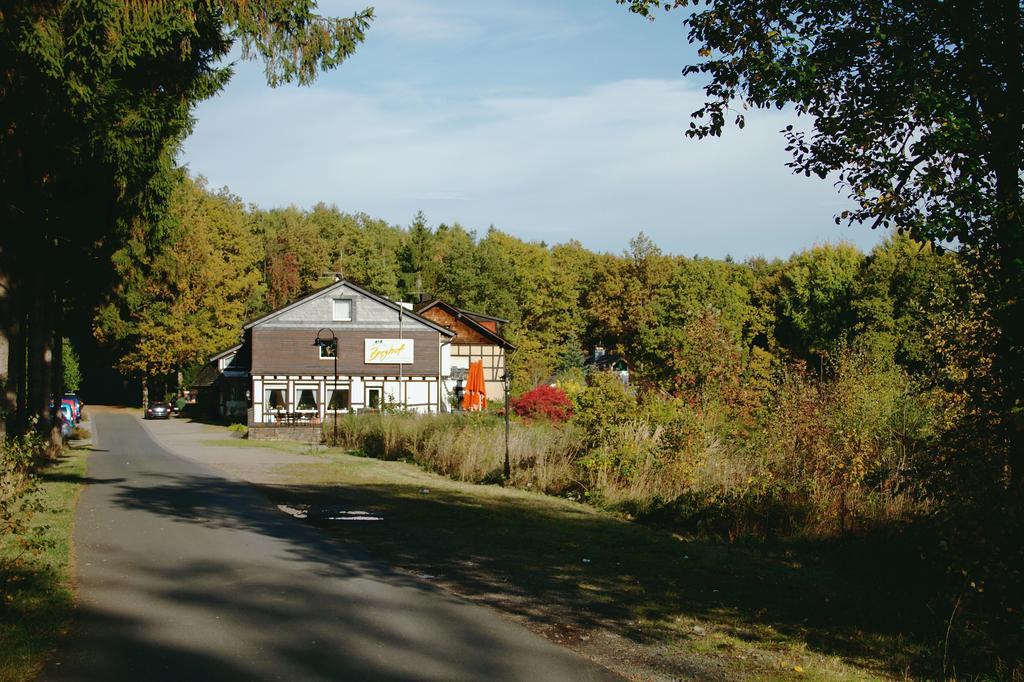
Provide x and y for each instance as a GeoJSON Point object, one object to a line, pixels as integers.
{"type": "Point", "coordinates": [186, 575]}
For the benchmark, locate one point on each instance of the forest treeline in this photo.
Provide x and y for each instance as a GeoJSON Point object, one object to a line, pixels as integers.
{"type": "Point", "coordinates": [682, 322]}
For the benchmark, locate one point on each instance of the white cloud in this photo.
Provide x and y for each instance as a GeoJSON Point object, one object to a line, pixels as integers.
{"type": "Point", "coordinates": [423, 21]}
{"type": "Point", "coordinates": [596, 165]}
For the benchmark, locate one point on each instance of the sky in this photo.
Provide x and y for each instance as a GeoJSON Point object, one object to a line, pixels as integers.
{"type": "Point", "coordinates": [552, 120]}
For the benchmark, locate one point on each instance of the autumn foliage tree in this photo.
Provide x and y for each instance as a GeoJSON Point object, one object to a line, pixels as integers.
{"type": "Point", "coordinates": [190, 299]}
{"type": "Point", "coordinates": [914, 108]}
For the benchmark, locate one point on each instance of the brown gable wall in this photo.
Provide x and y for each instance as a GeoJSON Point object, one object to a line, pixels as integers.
{"type": "Point", "coordinates": [291, 351]}
{"type": "Point", "coordinates": [463, 333]}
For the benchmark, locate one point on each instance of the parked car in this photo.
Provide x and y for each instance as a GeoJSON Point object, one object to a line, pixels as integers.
{"type": "Point", "coordinates": [66, 416]}
{"type": "Point", "coordinates": [76, 403]}
{"type": "Point", "coordinates": [158, 410]}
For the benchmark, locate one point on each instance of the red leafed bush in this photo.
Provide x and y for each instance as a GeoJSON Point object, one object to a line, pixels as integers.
{"type": "Point", "coordinates": [543, 402]}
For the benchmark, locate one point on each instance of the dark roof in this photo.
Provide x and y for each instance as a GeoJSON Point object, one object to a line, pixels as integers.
{"type": "Point", "coordinates": [606, 361]}
{"type": "Point", "coordinates": [352, 285]}
{"type": "Point", "coordinates": [475, 315]}
{"type": "Point", "coordinates": [467, 318]}
{"type": "Point", "coordinates": [207, 376]}
{"type": "Point", "coordinates": [481, 316]}
{"type": "Point", "coordinates": [227, 351]}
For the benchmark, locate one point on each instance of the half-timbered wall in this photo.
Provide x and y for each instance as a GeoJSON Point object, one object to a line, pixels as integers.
{"type": "Point", "coordinates": [469, 345]}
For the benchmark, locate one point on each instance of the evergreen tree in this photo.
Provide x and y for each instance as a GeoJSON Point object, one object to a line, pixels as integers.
{"type": "Point", "coordinates": [95, 99]}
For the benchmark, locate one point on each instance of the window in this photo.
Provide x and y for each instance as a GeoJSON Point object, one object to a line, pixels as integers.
{"type": "Point", "coordinates": [328, 349]}
{"type": "Point", "coordinates": [307, 400]}
{"type": "Point", "coordinates": [340, 399]}
{"type": "Point", "coordinates": [274, 399]}
{"type": "Point", "coordinates": [373, 400]}
{"type": "Point", "coordinates": [343, 309]}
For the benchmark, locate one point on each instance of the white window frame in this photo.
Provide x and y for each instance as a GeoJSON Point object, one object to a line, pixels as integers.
{"type": "Point", "coordinates": [366, 396]}
{"type": "Point", "coordinates": [297, 391]}
{"type": "Point", "coordinates": [269, 388]}
{"type": "Point", "coordinates": [351, 309]}
{"type": "Point", "coordinates": [329, 389]}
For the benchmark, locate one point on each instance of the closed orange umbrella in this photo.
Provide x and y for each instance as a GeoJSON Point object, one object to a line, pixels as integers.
{"type": "Point", "coordinates": [483, 385]}
{"type": "Point", "coordinates": [474, 396]}
{"type": "Point", "coordinates": [469, 395]}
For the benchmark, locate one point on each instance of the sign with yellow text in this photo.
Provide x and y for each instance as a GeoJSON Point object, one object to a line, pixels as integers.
{"type": "Point", "coordinates": [388, 352]}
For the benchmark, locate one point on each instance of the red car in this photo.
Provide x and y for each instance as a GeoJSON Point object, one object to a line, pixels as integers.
{"type": "Point", "coordinates": [75, 404]}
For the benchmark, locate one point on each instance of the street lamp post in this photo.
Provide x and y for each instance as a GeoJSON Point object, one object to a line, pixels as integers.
{"type": "Point", "coordinates": [320, 342]}
{"type": "Point", "coordinates": [505, 380]}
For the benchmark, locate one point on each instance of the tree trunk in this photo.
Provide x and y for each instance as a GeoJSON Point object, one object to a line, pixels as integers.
{"type": "Point", "coordinates": [1009, 362]}
{"type": "Point", "coordinates": [1006, 120]}
{"type": "Point", "coordinates": [40, 353]}
{"type": "Point", "coordinates": [1008, 304]}
{"type": "Point", "coordinates": [57, 380]}
{"type": "Point", "coordinates": [12, 318]}
{"type": "Point", "coordinates": [145, 391]}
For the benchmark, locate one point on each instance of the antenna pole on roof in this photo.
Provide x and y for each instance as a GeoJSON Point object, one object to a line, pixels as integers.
{"type": "Point", "coordinates": [418, 293]}
{"type": "Point", "coordinates": [338, 274]}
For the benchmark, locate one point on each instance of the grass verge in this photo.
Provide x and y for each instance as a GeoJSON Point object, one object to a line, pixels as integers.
{"type": "Point", "coordinates": [39, 606]}
{"type": "Point", "coordinates": [643, 602]}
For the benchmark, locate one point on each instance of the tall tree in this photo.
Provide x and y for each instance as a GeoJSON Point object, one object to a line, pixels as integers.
{"type": "Point", "coordinates": [191, 298]}
{"type": "Point", "coordinates": [915, 105]}
{"type": "Point", "coordinates": [415, 254]}
{"type": "Point", "coordinates": [95, 98]}
{"type": "Point", "coordinates": [814, 300]}
{"type": "Point", "coordinates": [900, 284]}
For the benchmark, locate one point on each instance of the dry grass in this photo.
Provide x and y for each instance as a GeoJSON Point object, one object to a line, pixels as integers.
{"type": "Point", "coordinates": [467, 448]}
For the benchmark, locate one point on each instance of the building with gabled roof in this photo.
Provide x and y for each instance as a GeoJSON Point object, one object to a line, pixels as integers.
{"type": "Point", "coordinates": [477, 337]}
{"type": "Point", "coordinates": [222, 385]}
{"type": "Point", "coordinates": [339, 349]}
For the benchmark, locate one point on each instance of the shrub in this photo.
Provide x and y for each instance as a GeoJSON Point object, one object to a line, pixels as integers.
{"type": "Point", "coordinates": [605, 404]}
{"type": "Point", "coordinates": [820, 456]}
{"type": "Point", "coordinates": [240, 429]}
{"type": "Point", "coordinates": [19, 502]}
{"type": "Point", "coordinates": [543, 402]}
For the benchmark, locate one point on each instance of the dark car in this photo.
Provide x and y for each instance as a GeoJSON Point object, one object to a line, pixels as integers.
{"type": "Point", "coordinates": [158, 410]}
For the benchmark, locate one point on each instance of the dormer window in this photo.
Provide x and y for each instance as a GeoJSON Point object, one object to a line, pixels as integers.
{"type": "Point", "coordinates": [343, 310]}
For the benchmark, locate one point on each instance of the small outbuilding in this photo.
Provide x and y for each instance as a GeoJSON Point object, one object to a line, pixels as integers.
{"type": "Point", "coordinates": [222, 385]}
{"type": "Point", "coordinates": [477, 338]}
{"type": "Point", "coordinates": [601, 361]}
